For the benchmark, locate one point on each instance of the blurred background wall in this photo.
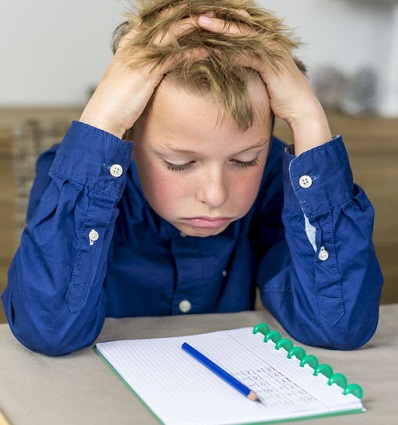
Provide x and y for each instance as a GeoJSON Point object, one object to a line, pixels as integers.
{"type": "Point", "coordinates": [53, 52]}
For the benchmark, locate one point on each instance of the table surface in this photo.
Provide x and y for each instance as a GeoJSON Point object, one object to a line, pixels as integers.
{"type": "Point", "coordinates": [80, 388]}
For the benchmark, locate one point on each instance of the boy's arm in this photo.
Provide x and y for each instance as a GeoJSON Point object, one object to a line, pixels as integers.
{"type": "Point", "coordinates": [321, 278]}
{"type": "Point", "coordinates": [54, 299]}
{"type": "Point", "coordinates": [334, 278]}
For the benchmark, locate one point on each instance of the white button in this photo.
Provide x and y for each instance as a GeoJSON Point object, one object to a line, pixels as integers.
{"type": "Point", "coordinates": [93, 236]}
{"type": "Point", "coordinates": [183, 235]}
{"type": "Point", "coordinates": [323, 254]}
{"type": "Point", "coordinates": [305, 182]}
{"type": "Point", "coordinates": [116, 170]}
{"type": "Point", "coordinates": [185, 306]}
{"type": "Point", "coordinates": [224, 273]}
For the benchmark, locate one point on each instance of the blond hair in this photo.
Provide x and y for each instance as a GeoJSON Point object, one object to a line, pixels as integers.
{"type": "Point", "coordinates": [218, 72]}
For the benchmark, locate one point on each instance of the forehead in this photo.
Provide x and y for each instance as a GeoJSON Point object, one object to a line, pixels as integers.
{"type": "Point", "coordinates": [182, 120]}
{"type": "Point", "coordinates": [257, 99]}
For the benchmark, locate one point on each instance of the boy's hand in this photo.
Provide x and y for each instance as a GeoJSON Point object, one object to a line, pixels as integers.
{"type": "Point", "coordinates": [124, 91]}
{"type": "Point", "coordinates": [291, 97]}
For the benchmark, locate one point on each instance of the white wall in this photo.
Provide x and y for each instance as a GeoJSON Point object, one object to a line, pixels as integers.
{"type": "Point", "coordinates": [53, 51]}
{"type": "Point", "coordinates": [336, 32]}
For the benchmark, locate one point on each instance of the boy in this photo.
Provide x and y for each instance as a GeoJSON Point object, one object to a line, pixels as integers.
{"type": "Point", "coordinates": [210, 205]}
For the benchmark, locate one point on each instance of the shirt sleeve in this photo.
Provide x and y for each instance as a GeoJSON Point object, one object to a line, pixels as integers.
{"type": "Point", "coordinates": [322, 280]}
{"type": "Point", "coordinates": [54, 300]}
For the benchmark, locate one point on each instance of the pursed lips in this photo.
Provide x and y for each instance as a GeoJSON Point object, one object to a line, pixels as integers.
{"type": "Point", "coordinates": [208, 222]}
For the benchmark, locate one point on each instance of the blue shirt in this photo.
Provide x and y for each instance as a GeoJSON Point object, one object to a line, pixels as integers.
{"type": "Point", "coordinates": [93, 247]}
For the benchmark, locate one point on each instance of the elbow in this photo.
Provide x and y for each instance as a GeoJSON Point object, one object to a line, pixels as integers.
{"type": "Point", "coordinates": [51, 331]}
{"type": "Point", "coordinates": [345, 340]}
{"type": "Point", "coordinates": [343, 335]}
{"type": "Point", "coordinates": [355, 335]}
{"type": "Point", "coordinates": [51, 337]}
{"type": "Point", "coordinates": [49, 344]}
{"type": "Point", "coordinates": [354, 328]}
{"type": "Point", "coordinates": [47, 348]}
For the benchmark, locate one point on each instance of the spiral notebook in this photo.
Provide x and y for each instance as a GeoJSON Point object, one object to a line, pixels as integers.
{"type": "Point", "coordinates": [180, 391]}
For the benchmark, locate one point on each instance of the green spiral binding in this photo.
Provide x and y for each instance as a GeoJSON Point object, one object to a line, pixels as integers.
{"type": "Point", "coordinates": [325, 369]}
{"type": "Point", "coordinates": [354, 389]}
{"type": "Point", "coordinates": [274, 336]}
{"type": "Point", "coordinates": [339, 379]}
{"type": "Point", "coordinates": [262, 328]}
{"type": "Point", "coordinates": [311, 360]}
{"type": "Point", "coordinates": [298, 352]}
{"type": "Point", "coordinates": [285, 343]}
{"type": "Point", "coordinates": [308, 359]}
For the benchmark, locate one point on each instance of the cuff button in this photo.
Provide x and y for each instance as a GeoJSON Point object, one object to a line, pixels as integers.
{"type": "Point", "coordinates": [305, 182]}
{"type": "Point", "coordinates": [116, 170]}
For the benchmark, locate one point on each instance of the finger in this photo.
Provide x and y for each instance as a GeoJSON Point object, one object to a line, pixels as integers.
{"type": "Point", "coordinates": [242, 12]}
{"type": "Point", "coordinates": [220, 26]}
{"type": "Point", "coordinates": [126, 38]}
{"type": "Point", "coordinates": [175, 31]}
{"type": "Point", "coordinates": [174, 61]}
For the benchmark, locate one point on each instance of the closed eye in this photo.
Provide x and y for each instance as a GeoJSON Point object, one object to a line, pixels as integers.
{"type": "Point", "coordinates": [245, 164]}
{"type": "Point", "coordinates": [237, 163]}
{"type": "Point", "coordinates": [178, 167]}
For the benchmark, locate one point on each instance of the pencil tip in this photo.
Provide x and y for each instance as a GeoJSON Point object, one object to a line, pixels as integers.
{"type": "Point", "coordinates": [254, 397]}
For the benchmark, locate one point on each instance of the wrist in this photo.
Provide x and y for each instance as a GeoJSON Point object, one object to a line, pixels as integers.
{"type": "Point", "coordinates": [96, 120]}
{"type": "Point", "coordinates": [310, 130]}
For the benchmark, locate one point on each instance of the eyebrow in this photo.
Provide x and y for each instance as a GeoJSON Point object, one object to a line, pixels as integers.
{"type": "Point", "coordinates": [260, 144]}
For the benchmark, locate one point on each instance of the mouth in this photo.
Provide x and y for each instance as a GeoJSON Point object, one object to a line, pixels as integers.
{"type": "Point", "coordinates": [208, 222]}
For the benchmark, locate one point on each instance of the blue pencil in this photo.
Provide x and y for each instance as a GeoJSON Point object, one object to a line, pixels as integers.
{"type": "Point", "coordinates": [243, 389]}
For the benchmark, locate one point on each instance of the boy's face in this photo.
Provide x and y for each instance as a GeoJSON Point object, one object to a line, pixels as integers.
{"type": "Point", "coordinates": [197, 173]}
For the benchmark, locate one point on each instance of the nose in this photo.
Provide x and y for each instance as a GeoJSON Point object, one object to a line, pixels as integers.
{"type": "Point", "coordinates": [213, 188]}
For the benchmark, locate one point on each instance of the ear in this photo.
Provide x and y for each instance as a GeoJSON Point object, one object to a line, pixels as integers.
{"type": "Point", "coordinates": [120, 31]}
{"type": "Point", "coordinates": [300, 66]}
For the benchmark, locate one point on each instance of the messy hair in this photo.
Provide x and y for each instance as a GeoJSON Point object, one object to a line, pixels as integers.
{"type": "Point", "coordinates": [218, 72]}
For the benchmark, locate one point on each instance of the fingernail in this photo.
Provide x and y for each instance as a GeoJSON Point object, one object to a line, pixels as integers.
{"type": "Point", "coordinates": [203, 19]}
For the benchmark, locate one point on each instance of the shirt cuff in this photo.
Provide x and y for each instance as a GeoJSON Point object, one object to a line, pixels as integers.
{"type": "Point", "coordinates": [93, 158]}
{"type": "Point", "coordinates": [318, 179]}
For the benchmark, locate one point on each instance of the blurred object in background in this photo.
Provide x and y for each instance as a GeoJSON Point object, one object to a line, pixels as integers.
{"type": "Point", "coordinates": [353, 94]}
{"type": "Point", "coordinates": [31, 139]}
{"type": "Point", "coordinates": [328, 83]}
{"type": "Point", "coordinates": [361, 93]}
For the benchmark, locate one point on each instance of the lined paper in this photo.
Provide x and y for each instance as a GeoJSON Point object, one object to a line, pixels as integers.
{"type": "Point", "coordinates": [181, 391]}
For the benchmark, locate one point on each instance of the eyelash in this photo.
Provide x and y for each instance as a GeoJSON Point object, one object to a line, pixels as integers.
{"type": "Point", "coordinates": [246, 164]}
{"type": "Point", "coordinates": [183, 167]}
{"type": "Point", "coordinates": [178, 167]}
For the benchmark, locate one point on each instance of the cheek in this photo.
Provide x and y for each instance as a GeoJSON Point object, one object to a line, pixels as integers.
{"type": "Point", "coordinates": [162, 188]}
{"type": "Point", "coordinates": [245, 187]}
{"type": "Point", "coordinates": [245, 192]}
